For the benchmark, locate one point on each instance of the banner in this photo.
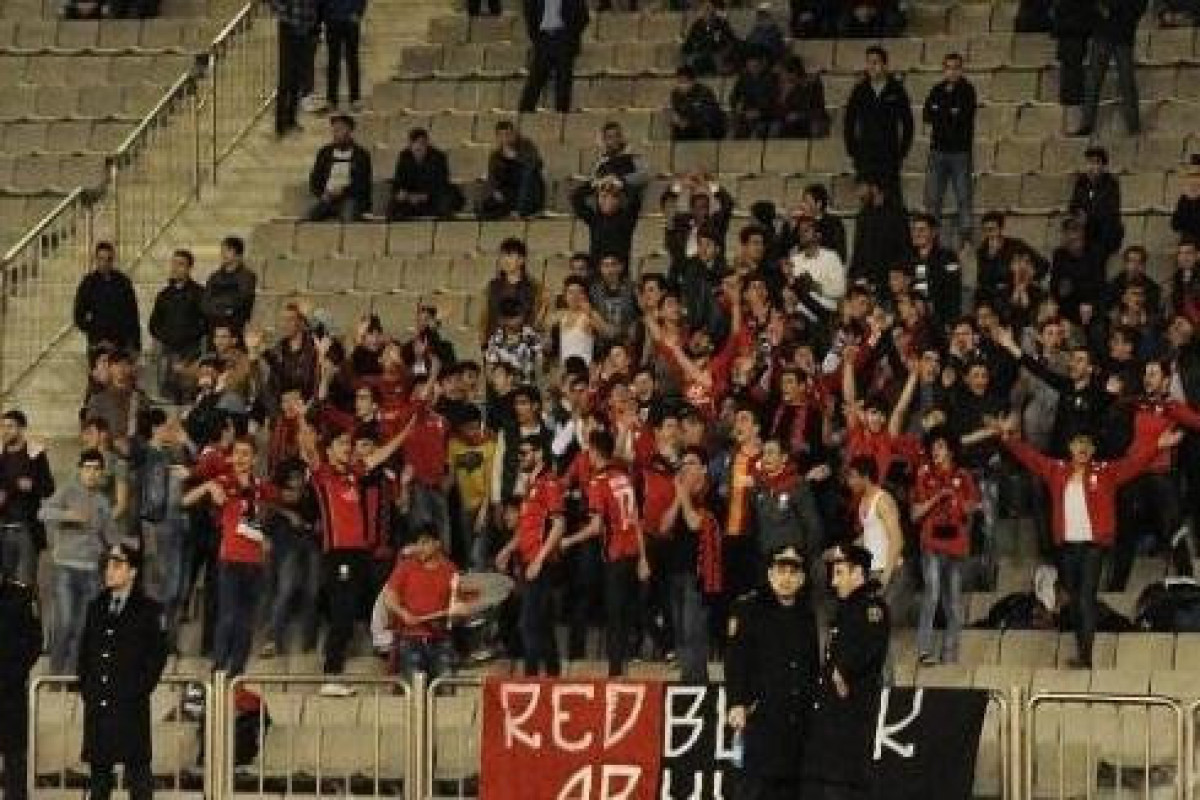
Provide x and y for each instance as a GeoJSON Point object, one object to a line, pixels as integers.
{"type": "Point", "coordinates": [645, 740]}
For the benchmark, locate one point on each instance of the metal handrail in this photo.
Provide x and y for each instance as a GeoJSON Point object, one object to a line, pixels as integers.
{"type": "Point", "coordinates": [231, 26]}
{"type": "Point", "coordinates": [186, 79]}
{"type": "Point", "coordinates": [1098, 699]}
{"type": "Point", "coordinates": [1191, 762]}
{"type": "Point", "coordinates": [41, 225]}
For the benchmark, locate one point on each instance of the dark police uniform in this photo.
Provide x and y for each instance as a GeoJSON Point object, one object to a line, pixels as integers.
{"type": "Point", "coordinates": [20, 646]}
{"type": "Point", "coordinates": [839, 752]}
{"type": "Point", "coordinates": [121, 657]}
{"type": "Point", "coordinates": [771, 667]}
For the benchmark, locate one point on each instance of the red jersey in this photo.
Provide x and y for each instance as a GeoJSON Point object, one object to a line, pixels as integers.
{"type": "Point", "coordinates": [213, 462]}
{"type": "Point", "coordinates": [1152, 418]}
{"type": "Point", "coordinates": [425, 449]}
{"type": "Point", "coordinates": [883, 447]}
{"type": "Point", "coordinates": [658, 495]}
{"type": "Point", "coordinates": [543, 502]}
{"type": "Point", "coordinates": [946, 528]}
{"type": "Point", "coordinates": [423, 587]}
{"type": "Point", "coordinates": [610, 496]}
{"type": "Point", "coordinates": [239, 517]}
{"type": "Point", "coordinates": [342, 523]}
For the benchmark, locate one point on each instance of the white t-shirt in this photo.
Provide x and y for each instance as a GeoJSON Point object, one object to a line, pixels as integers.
{"type": "Point", "coordinates": [826, 270]}
{"type": "Point", "coordinates": [1077, 525]}
{"type": "Point", "coordinates": [339, 171]}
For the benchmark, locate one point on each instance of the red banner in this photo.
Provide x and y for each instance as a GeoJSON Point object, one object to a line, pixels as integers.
{"type": "Point", "coordinates": [571, 740]}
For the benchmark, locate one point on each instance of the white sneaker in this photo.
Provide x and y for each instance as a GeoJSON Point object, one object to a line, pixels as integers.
{"type": "Point", "coordinates": [336, 690]}
{"type": "Point", "coordinates": [313, 104]}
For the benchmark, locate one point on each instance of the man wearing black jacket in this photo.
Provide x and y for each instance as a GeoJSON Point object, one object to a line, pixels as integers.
{"type": "Point", "coordinates": [950, 113]}
{"type": "Point", "coordinates": [341, 176]}
{"type": "Point", "coordinates": [994, 256]}
{"type": "Point", "coordinates": [106, 308]}
{"type": "Point", "coordinates": [20, 647]}
{"type": "Point", "coordinates": [25, 481]}
{"type": "Point", "coordinates": [177, 324]}
{"type": "Point", "coordinates": [1112, 39]}
{"type": "Point", "coordinates": [878, 128]}
{"type": "Point", "coordinates": [771, 667]}
{"type": "Point", "coordinates": [936, 271]}
{"type": "Point", "coordinates": [421, 184]}
{"type": "Point", "coordinates": [229, 294]}
{"type": "Point", "coordinates": [611, 218]}
{"type": "Point", "coordinates": [555, 28]}
{"type": "Point", "coordinates": [881, 235]}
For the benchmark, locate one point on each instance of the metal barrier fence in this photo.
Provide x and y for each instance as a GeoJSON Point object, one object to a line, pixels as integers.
{"type": "Point", "coordinates": [160, 168]}
{"type": "Point", "coordinates": [181, 737]}
{"type": "Point", "coordinates": [1192, 762]}
{"type": "Point", "coordinates": [41, 271]}
{"type": "Point", "coordinates": [1081, 745]}
{"type": "Point", "coordinates": [299, 742]}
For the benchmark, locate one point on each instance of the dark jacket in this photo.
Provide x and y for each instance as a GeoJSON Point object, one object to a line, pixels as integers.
{"type": "Point", "coordinates": [939, 275]}
{"type": "Point", "coordinates": [950, 113]}
{"type": "Point", "coordinates": [878, 128]}
{"type": "Point", "coordinates": [430, 175]}
{"type": "Point", "coordinates": [800, 110]}
{"type": "Point", "coordinates": [1077, 279]}
{"type": "Point", "coordinates": [1074, 19]}
{"type": "Point", "coordinates": [18, 505]}
{"type": "Point", "coordinates": [610, 234]}
{"type": "Point", "coordinates": [1185, 220]}
{"type": "Point", "coordinates": [771, 667]}
{"type": "Point", "coordinates": [1117, 20]}
{"type": "Point", "coordinates": [700, 110]}
{"type": "Point", "coordinates": [360, 174]}
{"type": "Point", "coordinates": [120, 661]}
{"type": "Point", "coordinates": [1080, 410]}
{"type": "Point", "coordinates": [709, 39]}
{"type": "Point", "coordinates": [754, 93]}
{"type": "Point", "coordinates": [574, 15]}
{"type": "Point", "coordinates": [106, 309]}
{"type": "Point", "coordinates": [177, 320]}
{"type": "Point", "coordinates": [20, 647]}
{"type": "Point", "coordinates": [1099, 201]}
{"type": "Point", "coordinates": [994, 275]}
{"type": "Point", "coordinates": [843, 727]}
{"type": "Point", "coordinates": [342, 10]}
{"type": "Point", "coordinates": [881, 241]}
{"type": "Point", "coordinates": [229, 297]}
{"type": "Point", "coordinates": [785, 513]}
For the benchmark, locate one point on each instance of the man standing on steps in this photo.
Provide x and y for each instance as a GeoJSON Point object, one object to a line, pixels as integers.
{"type": "Point", "coordinates": [555, 29]}
{"type": "Point", "coordinates": [106, 308]}
{"type": "Point", "coordinates": [297, 21]}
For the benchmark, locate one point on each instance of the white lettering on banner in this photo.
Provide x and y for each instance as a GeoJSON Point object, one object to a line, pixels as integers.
{"type": "Point", "coordinates": [512, 723]}
{"type": "Point", "coordinates": [724, 748]}
{"type": "Point", "coordinates": [884, 732]}
{"type": "Point", "coordinates": [692, 721]}
{"type": "Point", "coordinates": [666, 790]}
{"type": "Point", "coordinates": [613, 693]}
{"type": "Point", "coordinates": [561, 717]}
{"type": "Point", "coordinates": [617, 782]}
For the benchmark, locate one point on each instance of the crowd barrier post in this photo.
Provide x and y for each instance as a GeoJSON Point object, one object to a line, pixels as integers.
{"type": "Point", "coordinates": [429, 756]}
{"type": "Point", "coordinates": [1089, 704]}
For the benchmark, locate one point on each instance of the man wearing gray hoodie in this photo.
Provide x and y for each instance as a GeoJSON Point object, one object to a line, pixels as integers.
{"type": "Point", "coordinates": [80, 522]}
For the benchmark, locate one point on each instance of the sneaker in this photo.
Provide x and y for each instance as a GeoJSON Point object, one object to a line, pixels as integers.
{"type": "Point", "coordinates": [313, 104]}
{"type": "Point", "coordinates": [336, 690]}
{"type": "Point", "coordinates": [929, 660]}
{"type": "Point", "coordinates": [269, 650]}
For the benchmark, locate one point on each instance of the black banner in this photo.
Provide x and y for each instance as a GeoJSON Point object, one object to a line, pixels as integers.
{"type": "Point", "coordinates": [924, 747]}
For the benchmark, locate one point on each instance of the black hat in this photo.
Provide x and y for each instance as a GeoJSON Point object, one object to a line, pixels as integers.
{"type": "Point", "coordinates": [128, 553]}
{"type": "Point", "coordinates": [786, 554]}
{"type": "Point", "coordinates": [855, 554]}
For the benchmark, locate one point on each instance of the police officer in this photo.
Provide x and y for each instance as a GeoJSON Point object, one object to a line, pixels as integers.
{"type": "Point", "coordinates": [771, 666]}
{"type": "Point", "coordinates": [121, 657]}
{"type": "Point", "coordinates": [838, 757]}
{"type": "Point", "coordinates": [20, 646]}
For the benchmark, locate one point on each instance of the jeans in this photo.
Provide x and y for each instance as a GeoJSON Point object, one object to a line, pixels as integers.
{"type": "Point", "coordinates": [536, 624]}
{"type": "Point", "coordinates": [1100, 52]}
{"type": "Point", "coordinates": [989, 508]}
{"type": "Point", "coordinates": [584, 570]}
{"type": "Point", "coordinates": [138, 779]}
{"type": "Point", "coordinates": [430, 506]}
{"type": "Point", "coordinates": [172, 564]}
{"type": "Point", "coordinates": [74, 589]}
{"type": "Point", "coordinates": [347, 574]}
{"type": "Point", "coordinates": [18, 555]}
{"type": "Point", "coordinates": [1149, 504]}
{"type": "Point", "coordinates": [344, 207]}
{"type": "Point", "coordinates": [1071, 50]}
{"type": "Point", "coordinates": [689, 620]}
{"type": "Point", "coordinates": [434, 657]}
{"type": "Point", "coordinates": [1081, 566]}
{"type": "Point", "coordinates": [170, 386]}
{"type": "Point", "coordinates": [943, 584]}
{"type": "Point", "coordinates": [239, 588]}
{"type": "Point", "coordinates": [552, 54]}
{"type": "Point", "coordinates": [951, 170]}
{"type": "Point", "coordinates": [297, 567]}
{"type": "Point", "coordinates": [621, 596]}
{"type": "Point", "coordinates": [342, 37]}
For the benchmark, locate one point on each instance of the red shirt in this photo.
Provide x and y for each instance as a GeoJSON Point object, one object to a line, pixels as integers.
{"type": "Point", "coordinates": [425, 448]}
{"type": "Point", "coordinates": [658, 494]}
{"type": "Point", "coordinates": [610, 496]}
{"type": "Point", "coordinates": [422, 588]}
{"type": "Point", "coordinates": [342, 523]}
{"type": "Point", "coordinates": [1153, 418]}
{"type": "Point", "coordinates": [946, 527]}
{"type": "Point", "coordinates": [542, 503]}
{"type": "Point", "coordinates": [213, 462]}
{"type": "Point", "coordinates": [240, 519]}
{"type": "Point", "coordinates": [883, 447]}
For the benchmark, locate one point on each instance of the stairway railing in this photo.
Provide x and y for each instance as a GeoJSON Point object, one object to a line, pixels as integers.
{"type": "Point", "coordinates": [158, 172]}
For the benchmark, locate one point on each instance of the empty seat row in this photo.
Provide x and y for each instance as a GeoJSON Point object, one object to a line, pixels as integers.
{"type": "Point", "coordinates": [109, 101]}
{"type": "Point", "coordinates": [20, 211]}
{"type": "Point", "coordinates": [1158, 84]}
{"type": "Point", "coordinates": [63, 136]}
{"type": "Point", "coordinates": [117, 34]}
{"type": "Point", "coordinates": [90, 70]}
{"type": "Point", "coordinates": [42, 173]}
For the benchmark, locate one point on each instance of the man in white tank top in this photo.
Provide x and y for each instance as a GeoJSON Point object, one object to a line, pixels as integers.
{"type": "Point", "coordinates": [879, 521]}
